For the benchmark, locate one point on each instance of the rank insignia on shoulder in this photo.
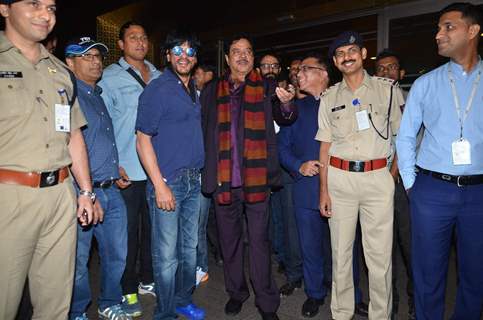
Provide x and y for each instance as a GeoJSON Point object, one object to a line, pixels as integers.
{"type": "Point", "coordinates": [11, 74]}
{"type": "Point", "coordinates": [52, 70]}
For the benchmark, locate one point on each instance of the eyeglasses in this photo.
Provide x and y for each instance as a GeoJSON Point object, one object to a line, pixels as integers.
{"type": "Point", "coordinates": [90, 57]}
{"type": "Point", "coordinates": [269, 65]}
{"type": "Point", "coordinates": [178, 51]}
{"type": "Point", "coordinates": [390, 67]}
{"type": "Point", "coordinates": [305, 69]}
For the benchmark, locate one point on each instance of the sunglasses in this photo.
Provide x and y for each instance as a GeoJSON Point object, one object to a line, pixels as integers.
{"type": "Point", "coordinates": [178, 51]}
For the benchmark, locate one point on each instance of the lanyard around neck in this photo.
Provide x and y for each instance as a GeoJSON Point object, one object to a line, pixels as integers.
{"type": "Point", "coordinates": [456, 99]}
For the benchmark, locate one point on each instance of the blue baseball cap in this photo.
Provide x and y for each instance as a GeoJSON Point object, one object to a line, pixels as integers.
{"type": "Point", "coordinates": [344, 39]}
{"type": "Point", "coordinates": [81, 45]}
{"type": "Point", "coordinates": [8, 1]}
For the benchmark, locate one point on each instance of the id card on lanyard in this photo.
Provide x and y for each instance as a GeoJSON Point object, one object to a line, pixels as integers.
{"type": "Point", "coordinates": [62, 114]}
{"type": "Point", "coordinates": [461, 148]}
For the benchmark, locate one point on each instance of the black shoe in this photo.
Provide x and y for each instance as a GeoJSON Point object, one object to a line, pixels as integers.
{"type": "Point", "coordinates": [268, 315]}
{"type": "Point", "coordinates": [233, 307]}
{"type": "Point", "coordinates": [310, 308]}
{"type": "Point", "coordinates": [288, 288]}
{"type": "Point", "coordinates": [361, 309]}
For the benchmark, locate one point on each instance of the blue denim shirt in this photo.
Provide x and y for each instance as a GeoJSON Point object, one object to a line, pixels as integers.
{"type": "Point", "coordinates": [168, 114]}
{"type": "Point", "coordinates": [121, 92]}
{"type": "Point", "coordinates": [430, 103]}
{"type": "Point", "coordinates": [98, 134]}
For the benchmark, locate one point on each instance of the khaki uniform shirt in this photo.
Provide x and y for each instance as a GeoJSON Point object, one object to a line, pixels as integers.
{"type": "Point", "coordinates": [28, 94]}
{"type": "Point", "coordinates": [338, 124]}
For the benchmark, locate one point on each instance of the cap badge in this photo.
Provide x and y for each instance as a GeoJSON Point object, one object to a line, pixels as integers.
{"type": "Point", "coordinates": [352, 39]}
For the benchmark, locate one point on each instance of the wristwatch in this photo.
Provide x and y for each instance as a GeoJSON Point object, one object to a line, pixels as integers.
{"type": "Point", "coordinates": [90, 194]}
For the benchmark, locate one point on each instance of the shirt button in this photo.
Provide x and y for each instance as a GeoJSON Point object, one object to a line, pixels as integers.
{"type": "Point", "coordinates": [10, 86]}
{"type": "Point", "coordinates": [41, 91]}
{"type": "Point", "coordinates": [102, 113]}
{"type": "Point", "coordinates": [108, 129]}
{"type": "Point", "coordinates": [45, 119]}
{"type": "Point", "coordinates": [47, 146]}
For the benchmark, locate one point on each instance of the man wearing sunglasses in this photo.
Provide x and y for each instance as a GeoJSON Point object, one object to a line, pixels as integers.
{"type": "Point", "coordinates": [84, 57]}
{"type": "Point", "coordinates": [170, 146]}
{"type": "Point", "coordinates": [357, 119]}
{"type": "Point", "coordinates": [241, 166]}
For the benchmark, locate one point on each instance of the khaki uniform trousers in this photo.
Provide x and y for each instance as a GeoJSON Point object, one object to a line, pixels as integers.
{"type": "Point", "coordinates": [367, 197]}
{"type": "Point", "coordinates": [38, 239]}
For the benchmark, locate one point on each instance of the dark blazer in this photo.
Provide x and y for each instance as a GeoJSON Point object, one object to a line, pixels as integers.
{"type": "Point", "coordinates": [296, 145]}
{"type": "Point", "coordinates": [209, 174]}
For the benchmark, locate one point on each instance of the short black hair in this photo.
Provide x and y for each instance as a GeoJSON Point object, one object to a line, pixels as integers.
{"type": "Point", "coordinates": [207, 68]}
{"type": "Point", "coordinates": [321, 59]}
{"type": "Point", "coordinates": [177, 37]}
{"type": "Point", "coordinates": [385, 53]}
{"type": "Point", "coordinates": [469, 11]}
{"type": "Point", "coordinates": [127, 25]}
{"type": "Point", "coordinates": [272, 54]}
{"type": "Point", "coordinates": [234, 38]}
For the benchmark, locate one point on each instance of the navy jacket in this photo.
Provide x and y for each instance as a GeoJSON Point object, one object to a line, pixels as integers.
{"type": "Point", "coordinates": [296, 145]}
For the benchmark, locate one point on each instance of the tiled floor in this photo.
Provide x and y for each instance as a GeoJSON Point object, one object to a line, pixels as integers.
{"type": "Point", "coordinates": [212, 297]}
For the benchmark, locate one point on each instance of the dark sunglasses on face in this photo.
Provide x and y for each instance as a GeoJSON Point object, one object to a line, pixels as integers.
{"type": "Point", "coordinates": [178, 51]}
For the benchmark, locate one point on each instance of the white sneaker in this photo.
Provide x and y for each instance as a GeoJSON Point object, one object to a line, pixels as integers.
{"type": "Point", "coordinates": [201, 276]}
{"type": "Point", "coordinates": [147, 288]}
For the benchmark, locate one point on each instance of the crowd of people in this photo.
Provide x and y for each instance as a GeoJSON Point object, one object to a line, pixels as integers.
{"type": "Point", "coordinates": [155, 165]}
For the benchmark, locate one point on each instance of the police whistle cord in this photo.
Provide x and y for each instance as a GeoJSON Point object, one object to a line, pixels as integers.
{"type": "Point", "coordinates": [388, 119]}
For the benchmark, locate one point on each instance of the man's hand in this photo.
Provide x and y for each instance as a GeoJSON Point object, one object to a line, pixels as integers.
{"type": "Point", "coordinates": [285, 96]}
{"type": "Point", "coordinates": [310, 168]}
{"type": "Point", "coordinates": [98, 212]}
{"type": "Point", "coordinates": [85, 210]}
{"type": "Point", "coordinates": [164, 197]}
{"type": "Point", "coordinates": [123, 182]}
{"type": "Point", "coordinates": [325, 205]}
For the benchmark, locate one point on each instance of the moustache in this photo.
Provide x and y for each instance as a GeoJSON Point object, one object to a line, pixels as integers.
{"type": "Point", "coordinates": [242, 61]}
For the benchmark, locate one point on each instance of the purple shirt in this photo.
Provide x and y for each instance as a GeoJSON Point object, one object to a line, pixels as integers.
{"type": "Point", "coordinates": [236, 96]}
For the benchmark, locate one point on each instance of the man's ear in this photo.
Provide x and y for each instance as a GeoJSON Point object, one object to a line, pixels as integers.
{"type": "Point", "coordinates": [474, 31]}
{"type": "Point", "coordinates": [364, 53]}
{"type": "Point", "coordinates": [70, 63]}
{"type": "Point", "coordinates": [402, 73]}
{"type": "Point", "coordinates": [120, 43]}
{"type": "Point", "coordinates": [4, 10]}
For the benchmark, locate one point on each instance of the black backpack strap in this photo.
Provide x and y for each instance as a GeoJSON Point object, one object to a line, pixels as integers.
{"type": "Point", "coordinates": [135, 76]}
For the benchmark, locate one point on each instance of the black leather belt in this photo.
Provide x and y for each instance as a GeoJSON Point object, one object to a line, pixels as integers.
{"type": "Point", "coordinates": [103, 184]}
{"type": "Point", "coordinates": [460, 181]}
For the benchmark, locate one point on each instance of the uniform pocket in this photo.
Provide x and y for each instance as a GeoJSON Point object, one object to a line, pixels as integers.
{"type": "Point", "coordinates": [12, 95]}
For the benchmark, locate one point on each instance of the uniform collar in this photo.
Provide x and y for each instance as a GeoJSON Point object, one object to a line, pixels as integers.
{"type": "Point", "coordinates": [366, 81]}
{"type": "Point", "coordinates": [6, 44]}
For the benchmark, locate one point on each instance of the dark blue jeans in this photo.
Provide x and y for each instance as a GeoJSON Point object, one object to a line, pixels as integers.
{"type": "Point", "coordinates": [111, 237]}
{"type": "Point", "coordinates": [174, 238]}
{"type": "Point", "coordinates": [202, 251]}
{"type": "Point", "coordinates": [436, 208]}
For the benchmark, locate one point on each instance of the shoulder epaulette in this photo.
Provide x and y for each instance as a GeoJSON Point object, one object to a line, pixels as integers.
{"type": "Point", "coordinates": [329, 89]}
{"type": "Point", "coordinates": [386, 81]}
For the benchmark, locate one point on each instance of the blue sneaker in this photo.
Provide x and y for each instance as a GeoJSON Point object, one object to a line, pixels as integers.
{"type": "Point", "coordinates": [131, 306]}
{"type": "Point", "coordinates": [81, 317]}
{"type": "Point", "coordinates": [114, 312]}
{"type": "Point", "coordinates": [191, 312]}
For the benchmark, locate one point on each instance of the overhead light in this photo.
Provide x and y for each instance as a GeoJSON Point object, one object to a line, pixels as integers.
{"type": "Point", "coordinates": [481, 34]}
{"type": "Point", "coordinates": [373, 58]}
{"type": "Point", "coordinates": [286, 18]}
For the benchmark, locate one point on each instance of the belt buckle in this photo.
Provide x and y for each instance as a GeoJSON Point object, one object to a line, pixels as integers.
{"type": "Point", "coordinates": [356, 166]}
{"type": "Point", "coordinates": [458, 182]}
{"type": "Point", "coordinates": [49, 178]}
{"type": "Point", "coordinates": [106, 184]}
{"type": "Point", "coordinates": [447, 177]}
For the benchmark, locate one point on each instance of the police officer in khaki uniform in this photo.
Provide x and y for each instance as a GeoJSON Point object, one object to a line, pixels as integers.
{"type": "Point", "coordinates": [39, 139]}
{"type": "Point", "coordinates": [357, 118]}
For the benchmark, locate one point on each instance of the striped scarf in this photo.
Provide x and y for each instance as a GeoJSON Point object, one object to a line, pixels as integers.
{"type": "Point", "coordinates": [254, 163]}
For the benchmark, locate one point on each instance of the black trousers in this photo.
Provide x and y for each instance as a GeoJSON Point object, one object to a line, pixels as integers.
{"type": "Point", "coordinates": [138, 237]}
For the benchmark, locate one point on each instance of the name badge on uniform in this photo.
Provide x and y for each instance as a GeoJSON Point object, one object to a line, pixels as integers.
{"type": "Point", "coordinates": [461, 152]}
{"type": "Point", "coordinates": [62, 118]}
{"type": "Point", "coordinates": [362, 120]}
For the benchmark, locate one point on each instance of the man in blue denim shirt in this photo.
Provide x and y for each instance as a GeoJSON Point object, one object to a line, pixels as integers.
{"type": "Point", "coordinates": [170, 145]}
{"type": "Point", "coordinates": [121, 91]}
{"type": "Point", "coordinates": [84, 57]}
